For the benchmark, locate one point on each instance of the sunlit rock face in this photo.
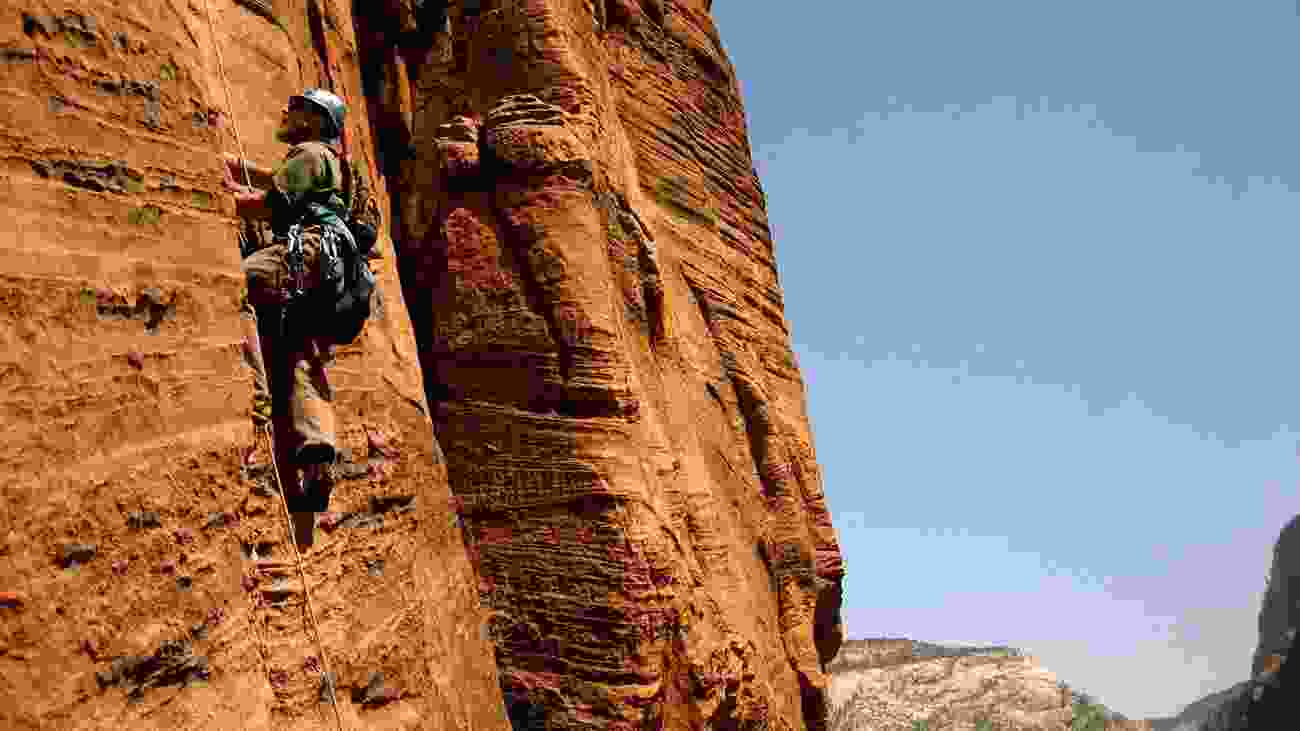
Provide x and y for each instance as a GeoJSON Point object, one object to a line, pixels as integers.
{"type": "Point", "coordinates": [148, 579]}
{"type": "Point", "coordinates": [625, 526]}
{"type": "Point", "coordinates": [900, 684]}
{"type": "Point", "coordinates": [589, 271]}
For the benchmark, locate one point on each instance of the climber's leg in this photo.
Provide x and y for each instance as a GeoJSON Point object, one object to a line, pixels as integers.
{"type": "Point", "coordinates": [312, 407]}
{"type": "Point", "coordinates": [252, 349]}
{"type": "Point", "coordinates": [304, 529]}
{"type": "Point", "coordinates": [302, 412]}
{"type": "Point", "coordinates": [313, 419]}
{"type": "Point", "coordinates": [267, 274]}
{"type": "Point", "coordinates": [278, 359]}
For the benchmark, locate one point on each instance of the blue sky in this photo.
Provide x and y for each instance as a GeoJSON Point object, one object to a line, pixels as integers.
{"type": "Point", "coordinates": [1039, 263]}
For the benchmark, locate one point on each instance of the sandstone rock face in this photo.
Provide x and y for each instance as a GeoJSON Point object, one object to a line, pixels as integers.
{"type": "Point", "coordinates": [149, 577]}
{"type": "Point", "coordinates": [889, 684]}
{"type": "Point", "coordinates": [628, 529]}
{"type": "Point", "coordinates": [590, 275]}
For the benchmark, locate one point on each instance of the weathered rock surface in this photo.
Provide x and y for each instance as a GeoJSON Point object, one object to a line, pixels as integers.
{"type": "Point", "coordinates": [1192, 716]}
{"type": "Point", "coordinates": [581, 300]}
{"type": "Point", "coordinates": [887, 684]}
{"type": "Point", "coordinates": [134, 534]}
{"type": "Point", "coordinates": [588, 267]}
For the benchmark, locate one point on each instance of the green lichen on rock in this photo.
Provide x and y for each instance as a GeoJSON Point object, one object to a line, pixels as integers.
{"type": "Point", "coordinates": [144, 215]}
{"type": "Point", "coordinates": [673, 194]}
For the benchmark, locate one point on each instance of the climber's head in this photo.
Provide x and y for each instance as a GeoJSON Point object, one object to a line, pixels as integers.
{"type": "Point", "coordinates": [315, 115]}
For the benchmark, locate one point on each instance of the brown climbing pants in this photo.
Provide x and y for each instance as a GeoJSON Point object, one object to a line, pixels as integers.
{"type": "Point", "coordinates": [302, 411]}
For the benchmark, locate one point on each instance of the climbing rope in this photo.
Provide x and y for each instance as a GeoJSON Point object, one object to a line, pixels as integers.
{"type": "Point", "coordinates": [328, 679]}
{"type": "Point", "coordinates": [221, 69]}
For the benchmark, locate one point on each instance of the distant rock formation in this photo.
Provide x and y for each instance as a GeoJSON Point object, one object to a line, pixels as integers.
{"type": "Point", "coordinates": [1270, 698]}
{"type": "Point", "coordinates": [1197, 712]}
{"type": "Point", "coordinates": [887, 684]}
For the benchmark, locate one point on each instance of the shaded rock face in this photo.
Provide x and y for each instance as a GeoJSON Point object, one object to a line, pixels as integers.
{"type": "Point", "coordinates": [1269, 698]}
{"type": "Point", "coordinates": [621, 522]}
{"type": "Point", "coordinates": [1196, 714]}
{"type": "Point", "coordinates": [890, 684]}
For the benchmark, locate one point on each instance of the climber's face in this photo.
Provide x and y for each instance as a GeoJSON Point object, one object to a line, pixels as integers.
{"type": "Point", "coordinates": [298, 122]}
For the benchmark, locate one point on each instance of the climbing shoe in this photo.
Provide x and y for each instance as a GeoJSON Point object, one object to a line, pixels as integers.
{"type": "Point", "coordinates": [310, 455]}
{"type": "Point", "coordinates": [300, 500]}
{"type": "Point", "coordinates": [317, 485]}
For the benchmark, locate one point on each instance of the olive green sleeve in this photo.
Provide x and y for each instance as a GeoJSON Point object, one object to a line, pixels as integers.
{"type": "Point", "coordinates": [298, 173]}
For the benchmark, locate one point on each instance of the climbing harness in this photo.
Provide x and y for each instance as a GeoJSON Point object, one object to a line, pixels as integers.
{"type": "Point", "coordinates": [296, 261]}
{"type": "Point", "coordinates": [328, 679]}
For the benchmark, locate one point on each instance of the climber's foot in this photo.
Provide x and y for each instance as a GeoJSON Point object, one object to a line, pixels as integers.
{"type": "Point", "coordinates": [304, 529]}
{"type": "Point", "coordinates": [318, 484]}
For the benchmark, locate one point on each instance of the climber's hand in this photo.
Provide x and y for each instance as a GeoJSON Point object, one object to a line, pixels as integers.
{"type": "Point", "coordinates": [228, 180]}
{"type": "Point", "coordinates": [249, 202]}
{"type": "Point", "coordinates": [245, 172]}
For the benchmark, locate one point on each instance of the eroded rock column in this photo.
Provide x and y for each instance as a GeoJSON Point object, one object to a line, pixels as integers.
{"type": "Point", "coordinates": [583, 246]}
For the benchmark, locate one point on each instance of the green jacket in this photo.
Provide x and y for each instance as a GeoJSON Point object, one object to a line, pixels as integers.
{"type": "Point", "coordinates": [310, 173]}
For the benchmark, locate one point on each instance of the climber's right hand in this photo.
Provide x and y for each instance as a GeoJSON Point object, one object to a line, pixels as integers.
{"type": "Point", "coordinates": [244, 171]}
{"type": "Point", "coordinates": [228, 180]}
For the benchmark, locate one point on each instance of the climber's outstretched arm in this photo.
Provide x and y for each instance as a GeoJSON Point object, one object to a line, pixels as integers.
{"type": "Point", "coordinates": [260, 176]}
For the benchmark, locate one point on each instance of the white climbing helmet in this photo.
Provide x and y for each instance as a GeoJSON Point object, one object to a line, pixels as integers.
{"type": "Point", "coordinates": [331, 106]}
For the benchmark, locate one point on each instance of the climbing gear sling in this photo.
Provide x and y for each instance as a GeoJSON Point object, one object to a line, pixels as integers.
{"type": "Point", "coordinates": [336, 306]}
{"type": "Point", "coordinates": [328, 678]}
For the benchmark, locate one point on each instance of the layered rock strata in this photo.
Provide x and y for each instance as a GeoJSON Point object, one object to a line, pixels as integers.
{"type": "Point", "coordinates": [625, 525]}
{"type": "Point", "coordinates": [586, 258]}
{"type": "Point", "coordinates": [149, 579]}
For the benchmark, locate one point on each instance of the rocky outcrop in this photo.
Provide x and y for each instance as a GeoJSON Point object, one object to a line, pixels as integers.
{"type": "Point", "coordinates": [887, 684]}
{"type": "Point", "coordinates": [1267, 699]}
{"type": "Point", "coordinates": [1194, 714]}
{"type": "Point", "coordinates": [621, 522]}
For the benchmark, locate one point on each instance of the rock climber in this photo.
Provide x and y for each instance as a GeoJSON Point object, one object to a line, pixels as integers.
{"type": "Point", "coordinates": [303, 196]}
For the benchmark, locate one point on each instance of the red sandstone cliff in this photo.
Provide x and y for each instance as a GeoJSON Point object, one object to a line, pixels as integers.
{"type": "Point", "coordinates": [580, 300]}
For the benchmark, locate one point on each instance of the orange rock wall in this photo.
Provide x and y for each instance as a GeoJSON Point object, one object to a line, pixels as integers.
{"type": "Point", "coordinates": [586, 257]}
{"type": "Point", "coordinates": [580, 286]}
{"type": "Point", "coordinates": [124, 391]}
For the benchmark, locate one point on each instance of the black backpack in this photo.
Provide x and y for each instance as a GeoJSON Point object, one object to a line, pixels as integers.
{"type": "Point", "coordinates": [351, 307]}
{"type": "Point", "coordinates": [336, 307]}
